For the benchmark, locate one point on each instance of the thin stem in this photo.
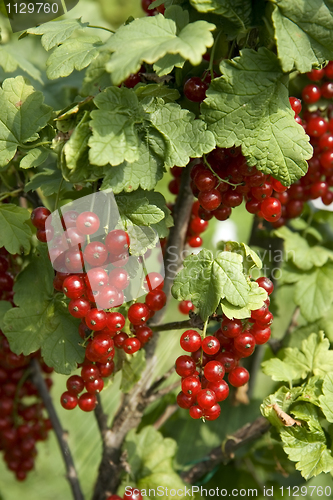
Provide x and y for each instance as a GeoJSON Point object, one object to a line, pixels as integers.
{"type": "Point", "coordinates": [100, 28]}
{"type": "Point", "coordinates": [216, 175]}
{"type": "Point", "coordinates": [203, 337]}
{"type": "Point", "coordinates": [8, 186]}
{"type": "Point", "coordinates": [232, 48]}
{"type": "Point", "coordinates": [246, 434]}
{"type": "Point", "coordinates": [212, 54]}
{"type": "Point", "coordinates": [24, 377]}
{"type": "Point", "coordinates": [59, 432]}
{"type": "Point", "coordinates": [33, 146]}
{"type": "Point", "coordinates": [10, 193]}
{"type": "Point", "coordinates": [58, 195]}
{"type": "Point", "coordinates": [175, 325]}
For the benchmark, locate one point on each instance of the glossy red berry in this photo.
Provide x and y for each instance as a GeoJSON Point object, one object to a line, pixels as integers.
{"type": "Point", "coordinates": [220, 388]}
{"type": "Point", "coordinates": [153, 280]}
{"type": "Point", "coordinates": [119, 278]}
{"type": "Point", "coordinates": [244, 344]}
{"type": "Point", "coordinates": [185, 306]}
{"type": "Point", "coordinates": [105, 369]}
{"type": "Point", "coordinates": [68, 400]}
{"type": "Point", "coordinates": [96, 319]}
{"type": "Point", "coordinates": [316, 126]}
{"type": "Point", "coordinates": [210, 345]}
{"type": "Point", "coordinates": [205, 180]}
{"type": "Point", "coordinates": [238, 377]}
{"type": "Point", "coordinates": [210, 200]}
{"type": "Point", "coordinates": [73, 287]}
{"type": "Point", "coordinates": [185, 400]}
{"type": "Point", "coordinates": [79, 308]}
{"type": "Point", "coordinates": [311, 93]}
{"type": "Point", "coordinates": [191, 385]}
{"type": "Point", "coordinates": [87, 223]}
{"type": "Point", "coordinates": [131, 345]}
{"type": "Point", "coordinates": [195, 241]}
{"type": "Point", "coordinates": [214, 371]}
{"type": "Point", "coordinates": [295, 104]}
{"type": "Point", "coordinates": [231, 327]}
{"type": "Point", "coordinates": [132, 494]}
{"type": "Point", "coordinates": [266, 284]}
{"type": "Point", "coordinates": [115, 321]}
{"type": "Point", "coordinates": [117, 242]}
{"type": "Point", "coordinates": [75, 384]}
{"type": "Point", "coordinates": [315, 75]}
{"type": "Point", "coordinates": [144, 334]}
{"type": "Point", "coordinates": [271, 209]}
{"type": "Point", "coordinates": [206, 398]}
{"type": "Point", "coordinates": [155, 300]}
{"type": "Point", "coordinates": [228, 359]}
{"type": "Point", "coordinates": [96, 278]}
{"type": "Point", "coordinates": [87, 402]}
{"type": "Point", "coordinates": [95, 253]}
{"type": "Point", "coordinates": [190, 341]}
{"type": "Point", "coordinates": [185, 366]}
{"type": "Point", "coordinates": [261, 335]}
{"type": "Point", "coordinates": [39, 216]}
{"type": "Point", "coordinates": [195, 89]}
{"type": "Point", "coordinates": [108, 297]}
{"type": "Point", "coordinates": [138, 313]}
{"type": "Point", "coordinates": [94, 386]}
{"type": "Point", "coordinates": [196, 412]}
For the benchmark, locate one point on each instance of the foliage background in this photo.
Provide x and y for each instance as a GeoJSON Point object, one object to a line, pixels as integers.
{"type": "Point", "coordinates": [194, 439]}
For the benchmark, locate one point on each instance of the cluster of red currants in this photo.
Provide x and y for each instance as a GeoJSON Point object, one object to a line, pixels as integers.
{"type": "Point", "coordinates": [22, 422]}
{"type": "Point", "coordinates": [130, 494]}
{"type": "Point", "coordinates": [203, 384]}
{"type": "Point", "coordinates": [94, 278]}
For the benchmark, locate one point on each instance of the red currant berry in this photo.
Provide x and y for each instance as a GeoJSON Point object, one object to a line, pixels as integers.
{"type": "Point", "coordinates": [266, 284]}
{"type": "Point", "coordinates": [185, 306]}
{"type": "Point", "coordinates": [117, 242]}
{"type": "Point", "coordinates": [245, 344]}
{"type": "Point", "coordinates": [271, 209]}
{"type": "Point", "coordinates": [222, 213]}
{"type": "Point", "coordinates": [190, 341]}
{"type": "Point", "coordinates": [156, 300]}
{"type": "Point", "coordinates": [196, 412]}
{"type": "Point", "coordinates": [316, 74]}
{"type": "Point", "coordinates": [206, 398]}
{"type": "Point", "coordinates": [96, 278]}
{"type": "Point", "coordinates": [87, 402]}
{"type": "Point", "coordinates": [89, 372]}
{"type": "Point", "coordinates": [212, 413]}
{"type": "Point", "coordinates": [79, 308]}
{"type": "Point", "coordinates": [115, 321]}
{"type": "Point", "coordinates": [195, 241]}
{"type": "Point", "coordinates": [105, 369]}
{"type": "Point", "coordinates": [93, 386]}
{"type": "Point", "coordinates": [119, 278]}
{"type": "Point", "coordinates": [39, 216]}
{"type": "Point", "coordinates": [210, 345]}
{"type": "Point", "coordinates": [68, 400]}
{"type": "Point", "coordinates": [68, 219]}
{"type": "Point", "coordinates": [231, 327]}
{"type": "Point", "coordinates": [295, 104]}
{"type": "Point", "coordinates": [214, 371]}
{"type": "Point", "coordinates": [261, 335]}
{"type": "Point", "coordinates": [228, 359]}
{"type": "Point", "coordinates": [185, 400]}
{"type": "Point", "coordinates": [95, 253]}
{"type": "Point", "coordinates": [195, 89]}
{"type": "Point", "coordinates": [154, 280]}
{"type": "Point", "coordinates": [95, 319]}
{"type": "Point", "coordinates": [75, 384]}
{"type": "Point", "coordinates": [185, 366]}
{"type": "Point", "coordinates": [131, 345]}
{"type": "Point", "coordinates": [108, 297]}
{"type": "Point", "coordinates": [238, 377]}
{"type": "Point", "coordinates": [220, 388]}
{"type": "Point", "coordinates": [191, 385]}
{"type": "Point", "coordinates": [210, 200]}
{"type": "Point", "coordinates": [311, 93]}
{"type": "Point", "coordinates": [205, 180]}
{"type": "Point", "coordinates": [73, 287]}
{"type": "Point", "coordinates": [143, 333]}
{"type": "Point", "coordinates": [316, 126]}
{"type": "Point", "coordinates": [138, 313]}
{"type": "Point", "coordinates": [87, 223]}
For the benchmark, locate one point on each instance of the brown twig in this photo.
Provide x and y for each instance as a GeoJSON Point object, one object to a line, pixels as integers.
{"type": "Point", "coordinates": [134, 403]}
{"type": "Point", "coordinates": [225, 453]}
{"type": "Point", "coordinates": [59, 432]}
{"type": "Point", "coordinates": [169, 411]}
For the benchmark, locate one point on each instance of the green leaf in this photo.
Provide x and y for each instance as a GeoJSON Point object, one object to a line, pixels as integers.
{"type": "Point", "coordinates": [4, 307]}
{"type": "Point", "coordinates": [312, 391]}
{"type": "Point", "coordinates": [284, 398]}
{"type": "Point", "coordinates": [142, 238]}
{"type": "Point", "coordinates": [148, 39]}
{"type": "Point", "coordinates": [307, 446]}
{"type": "Point", "coordinates": [237, 11]}
{"type": "Point", "coordinates": [279, 370]}
{"type": "Point", "coordinates": [23, 114]}
{"type": "Point", "coordinates": [34, 158]}
{"type": "Point", "coordinates": [313, 292]}
{"type": "Point", "coordinates": [205, 281]}
{"type": "Point", "coordinates": [11, 59]}
{"type": "Point", "coordinates": [303, 33]}
{"type": "Point", "coordinates": [314, 357]}
{"type": "Point", "coordinates": [96, 77]}
{"type": "Point", "coordinates": [326, 400]}
{"type": "Point", "coordinates": [114, 138]}
{"type": "Point", "coordinates": [132, 370]}
{"type": "Point", "coordinates": [157, 90]}
{"type": "Point", "coordinates": [15, 233]}
{"type": "Point", "coordinates": [249, 106]}
{"type": "Point", "coordinates": [185, 136]}
{"type": "Point", "coordinates": [144, 172]}
{"type": "Point", "coordinates": [56, 32]}
{"type": "Point", "coordinates": [76, 53]}
{"type": "Point", "coordinates": [150, 457]}
{"type": "Point", "coordinates": [48, 180]}
{"type": "Point", "coordinates": [257, 296]}
{"type": "Point", "coordinates": [250, 258]}
{"type": "Point", "coordinates": [76, 148]}
{"type": "Point", "coordinates": [135, 209]}
{"type": "Point", "coordinates": [41, 320]}
{"type": "Point", "coordinates": [299, 251]}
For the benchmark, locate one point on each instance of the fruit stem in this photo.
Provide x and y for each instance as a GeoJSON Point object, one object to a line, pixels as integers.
{"type": "Point", "coordinates": [21, 382]}
{"type": "Point", "coordinates": [219, 178]}
{"type": "Point", "coordinates": [100, 28]}
{"type": "Point", "coordinates": [10, 193]}
{"type": "Point", "coordinates": [58, 194]}
{"type": "Point", "coordinates": [211, 60]}
{"type": "Point", "coordinates": [203, 336]}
